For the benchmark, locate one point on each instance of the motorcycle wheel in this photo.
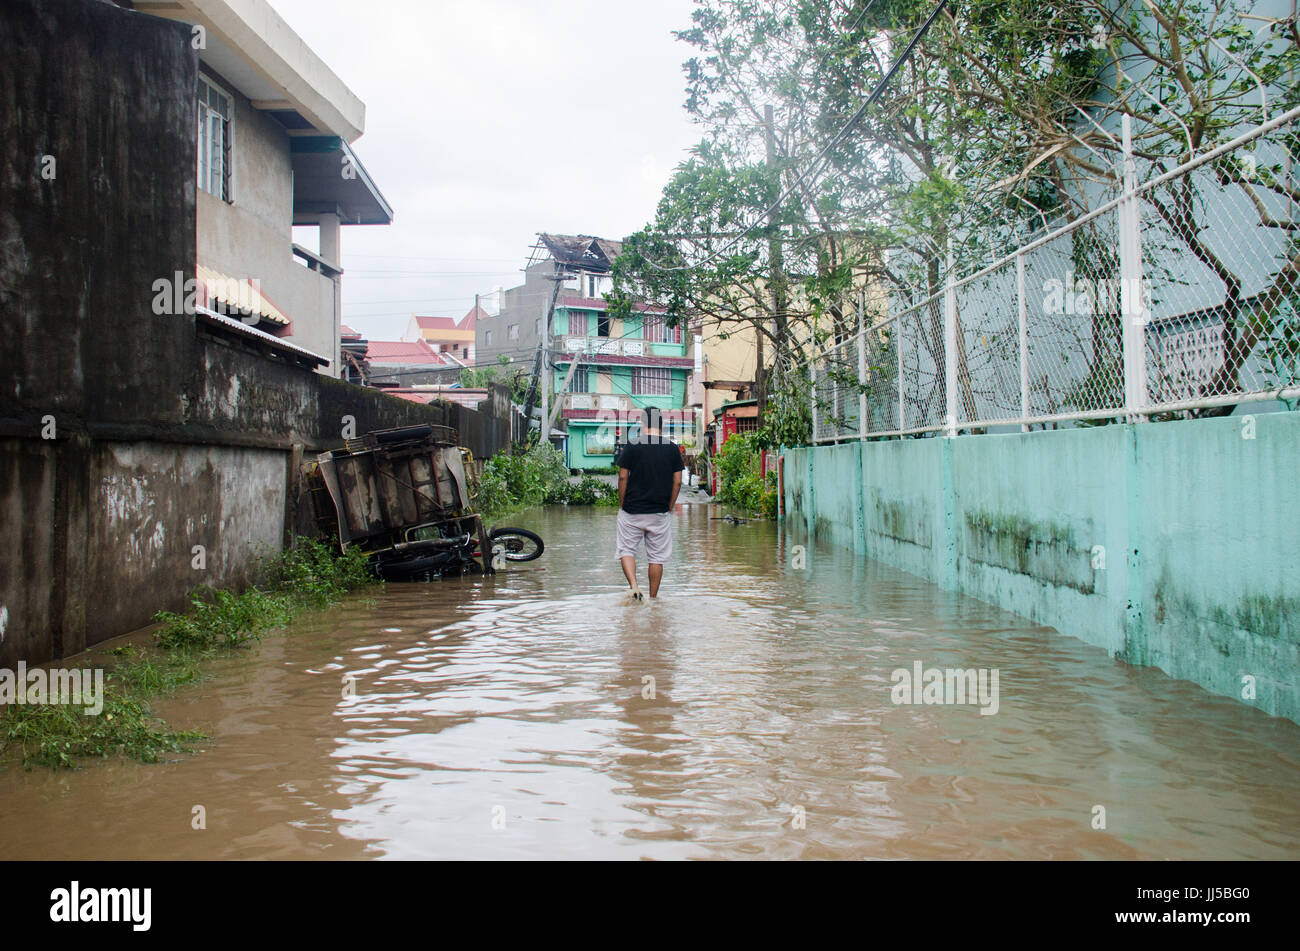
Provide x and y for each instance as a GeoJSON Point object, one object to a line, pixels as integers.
{"type": "Point", "coordinates": [519, 544]}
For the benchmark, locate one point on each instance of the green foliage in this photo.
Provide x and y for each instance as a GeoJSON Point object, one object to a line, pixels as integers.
{"type": "Point", "coordinates": [513, 481]}
{"type": "Point", "coordinates": [587, 491]}
{"type": "Point", "coordinates": [788, 419]}
{"type": "Point", "coordinates": [501, 372]}
{"type": "Point", "coordinates": [308, 575]}
{"type": "Point", "coordinates": [742, 485]}
{"type": "Point", "coordinates": [219, 618]}
{"type": "Point", "coordinates": [61, 735]}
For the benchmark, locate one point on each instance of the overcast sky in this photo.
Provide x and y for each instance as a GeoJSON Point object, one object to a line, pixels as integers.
{"type": "Point", "coordinates": [488, 121]}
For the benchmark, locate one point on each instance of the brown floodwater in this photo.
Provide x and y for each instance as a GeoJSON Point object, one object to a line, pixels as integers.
{"type": "Point", "coordinates": [512, 717]}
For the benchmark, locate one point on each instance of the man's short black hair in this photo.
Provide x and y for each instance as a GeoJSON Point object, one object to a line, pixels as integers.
{"type": "Point", "coordinates": [651, 418]}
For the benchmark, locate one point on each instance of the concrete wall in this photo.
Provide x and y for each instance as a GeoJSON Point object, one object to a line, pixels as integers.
{"type": "Point", "coordinates": [1171, 545]}
{"type": "Point", "coordinates": [126, 437]}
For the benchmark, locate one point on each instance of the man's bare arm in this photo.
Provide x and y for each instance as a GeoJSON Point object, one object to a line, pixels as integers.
{"type": "Point", "coordinates": [622, 485]}
{"type": "Point", "coordinates": [677, 486]}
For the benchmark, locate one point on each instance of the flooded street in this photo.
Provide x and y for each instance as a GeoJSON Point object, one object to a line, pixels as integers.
{"type": "Point", "coordinates": [516, 718]}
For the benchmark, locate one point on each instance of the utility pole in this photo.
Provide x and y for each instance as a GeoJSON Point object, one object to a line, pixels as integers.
{"type": "Point", "coordinates": [546, 372]}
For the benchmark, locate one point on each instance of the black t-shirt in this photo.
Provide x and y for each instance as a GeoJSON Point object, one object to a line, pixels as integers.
{"type": "Point", "coordinates": [650, 468]}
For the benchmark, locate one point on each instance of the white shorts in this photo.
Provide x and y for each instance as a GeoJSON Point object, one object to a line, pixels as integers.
{"type": "Point", "coordinates": [657, 530]}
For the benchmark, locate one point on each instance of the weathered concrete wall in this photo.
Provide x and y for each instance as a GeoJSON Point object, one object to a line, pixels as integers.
{"type": "Point", "coordinates": [152, 503]}
{"type": "Point", "coordinates": [128, 437]}
{"type": "Point", "coordinates": [1172, 545]}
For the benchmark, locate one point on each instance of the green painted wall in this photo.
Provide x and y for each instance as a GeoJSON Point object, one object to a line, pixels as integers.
{"type": "Point", "coordinates": [577, 456]}
{"type": "Point", "coordinates": [1171, 545]}
{"type": "Point", "coordinates": [621, 383]}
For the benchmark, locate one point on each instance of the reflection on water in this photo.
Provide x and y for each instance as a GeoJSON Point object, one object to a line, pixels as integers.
{"type": "Point", "coordinates": [746, 713]}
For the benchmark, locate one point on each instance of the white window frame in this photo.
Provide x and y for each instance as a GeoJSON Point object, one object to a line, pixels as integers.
{"type": "Point", "coordinates": [661, 376]}
{"type": "Point", "coordinates": [228, 149]}
{"type": "Point", "coordinates": [655, 329]}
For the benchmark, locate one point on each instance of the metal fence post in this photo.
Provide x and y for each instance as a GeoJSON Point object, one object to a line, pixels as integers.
{"type": "Point", "coordinates": [812, 388]}
{"type": "Point", "coordinates": [898, 345]}
{"type": "Point", "coordinates": [1023, 309]}
{"type": "Point", "coordinates": [950, 347]}
{"type": "Point", "coordinates": [862, 368]}
{"type": "Point", "coordinates": [1132, 297]}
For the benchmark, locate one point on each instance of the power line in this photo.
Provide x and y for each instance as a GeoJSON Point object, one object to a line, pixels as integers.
{"type": "Point", "coordinates": [839, 137]}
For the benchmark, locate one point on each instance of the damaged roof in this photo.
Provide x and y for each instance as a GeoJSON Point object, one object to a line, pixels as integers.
{"type": "Point", "coordinates": [582, 251]}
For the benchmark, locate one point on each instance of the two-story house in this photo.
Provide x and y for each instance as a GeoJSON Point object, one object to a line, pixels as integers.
{"type": "Point", "coordinates": [446, 334]}
{"type": "Point", "coordinates": [273, 130]}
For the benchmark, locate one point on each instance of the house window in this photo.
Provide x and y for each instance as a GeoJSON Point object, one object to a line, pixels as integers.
{"type": "Point", "coordinates": [487, 338]}
{"type": "Point", "coordinates": [599, 441]}
{"type": "Point", "coordinates": [593, 285]}
{"type": "Point", "coordinates": [651, 381]}
{"type": "Point", "coordinates": [581, 380]}
{"type": "Point", "coordinates": [513, 331]}
{"type": "Point", "coordinates": [214, 160]}
{"type": "Point", "coordinates": [578, 323]}
{"type": "Point", "coordinates": [602, 326]}
{"type": "Point", "coordinates": [658, 331]}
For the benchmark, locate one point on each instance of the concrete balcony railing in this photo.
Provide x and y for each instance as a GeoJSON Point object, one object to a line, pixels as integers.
{"type": "Point", "coordinates": [611, 346]}
{"type": "Point", "coordinates": [614, 346]}
{"type": "Point", "coordinates": [597, 401]}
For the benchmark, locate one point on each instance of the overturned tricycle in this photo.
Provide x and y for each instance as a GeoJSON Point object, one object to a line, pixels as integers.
{"type": "Point", "coordinates": [405, 496]}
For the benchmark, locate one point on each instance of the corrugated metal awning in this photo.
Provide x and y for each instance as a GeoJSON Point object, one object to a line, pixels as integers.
{"type": "Point", "coordinates": [239, 328]}
{"type": "Point", "coordinates": [239, 294]}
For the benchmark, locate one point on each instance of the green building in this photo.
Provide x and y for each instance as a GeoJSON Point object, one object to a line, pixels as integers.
{"type": "Point", "coordinates": [614, 367]}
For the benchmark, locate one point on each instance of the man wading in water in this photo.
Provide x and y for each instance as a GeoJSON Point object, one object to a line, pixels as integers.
{"type": "Point", "coordinates": [649, 478]}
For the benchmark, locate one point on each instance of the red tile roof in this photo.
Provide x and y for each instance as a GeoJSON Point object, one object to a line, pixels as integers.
{"type": "Point", "coordinates": [404, 352]}
{"type": "Point", "coordinates": [469, 320]}
{"type": "Point", "coordinates": [435, 323]}
{"type": "Point", "coordinates": [465, 397]}
{"type": "Point", "coordinates": [347, 333]}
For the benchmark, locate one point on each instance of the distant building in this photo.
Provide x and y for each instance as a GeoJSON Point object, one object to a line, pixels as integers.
{"type": "Point", "coordinates": [618, 364]}
{"type": "Point", "coordinates": [406, 363]}
{"type": "Point", "coordinates": [469, 398]}
{"type": "Point", "coordinates": [447, 335]}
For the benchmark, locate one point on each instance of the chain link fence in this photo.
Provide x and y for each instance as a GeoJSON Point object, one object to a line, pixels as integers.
{"type": "Point", "coordinates": [1181, 293]}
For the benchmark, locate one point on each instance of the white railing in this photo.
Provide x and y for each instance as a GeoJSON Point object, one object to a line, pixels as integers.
{"type": "Point", "coordinates": [1179, 293]}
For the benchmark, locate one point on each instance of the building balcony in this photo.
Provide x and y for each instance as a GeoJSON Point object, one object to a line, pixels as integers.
{"type": "Point", "coordinates": [620, 350]}
{"type": "Point", "coordinates": [589, 403]}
